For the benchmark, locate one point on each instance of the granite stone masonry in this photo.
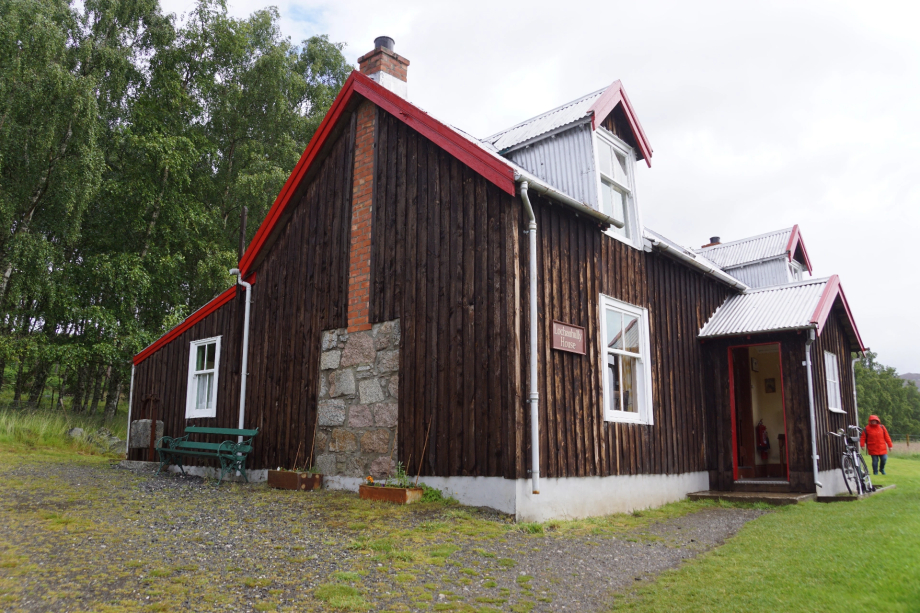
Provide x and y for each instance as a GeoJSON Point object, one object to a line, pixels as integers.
{"type": "Point", "coordinates": [357, 405]}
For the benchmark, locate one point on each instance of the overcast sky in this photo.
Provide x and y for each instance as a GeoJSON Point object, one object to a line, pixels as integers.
{"type": "Point", "coordinates": [761, 115]}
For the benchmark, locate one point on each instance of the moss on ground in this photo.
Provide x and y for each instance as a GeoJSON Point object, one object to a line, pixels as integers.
{"type": "Point", "coordinates": [84, 534]}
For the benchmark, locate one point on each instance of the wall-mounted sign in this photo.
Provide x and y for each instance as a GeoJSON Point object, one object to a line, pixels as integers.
{"type": "Point", "coordinates": [567, 337]}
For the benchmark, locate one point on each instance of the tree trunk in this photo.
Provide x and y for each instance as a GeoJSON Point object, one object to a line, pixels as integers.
{"type": "Point", "coordinates": [111, 401]}
{"type": "Point", "coordinates": [97, 389]}
{"type": "Point", "coordinates": [17, 389]}
{"type": "Point", "coordinates": [76, 406]}
{"type": "Point", "coordinates": [39, 378]}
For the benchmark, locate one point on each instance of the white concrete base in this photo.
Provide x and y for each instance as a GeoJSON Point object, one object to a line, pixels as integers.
{"type": "Point", "coordinates": [831, 483]}
{"type": "Point", "coordinates": [571, 498]}
{"type": "Point", "coordinates": [575, 498]}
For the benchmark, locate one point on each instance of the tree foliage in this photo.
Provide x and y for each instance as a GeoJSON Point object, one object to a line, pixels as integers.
{"type": "Point", "coordinates": [881, 392]}
{"type": "Point", "coordinates": [130, 141]}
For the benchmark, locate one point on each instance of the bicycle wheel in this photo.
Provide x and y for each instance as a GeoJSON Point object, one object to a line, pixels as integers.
{"type": "Point", "coordinates": [850, 476]}
{"type": "Point", "coordinates": [864, 471]}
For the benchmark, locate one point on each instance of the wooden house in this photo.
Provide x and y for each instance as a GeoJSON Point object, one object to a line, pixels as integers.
{"type": "Point", "coordinates": [493, 314]}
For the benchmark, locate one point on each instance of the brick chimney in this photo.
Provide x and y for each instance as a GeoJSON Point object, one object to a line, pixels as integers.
{"type": "Point", "coordinates": [385, 67]}
{"type": "Point", "coordinates": [713, 241]}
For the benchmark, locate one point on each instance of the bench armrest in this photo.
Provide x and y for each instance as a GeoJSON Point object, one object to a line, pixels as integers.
{"type": "Point", "coordinates": [232, 448]}
{"type": "Point", "coordinates": [170, 442]}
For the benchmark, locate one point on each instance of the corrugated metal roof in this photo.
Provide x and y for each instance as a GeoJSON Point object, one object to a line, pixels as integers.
{"type": "Point", "coordinates": [648, 233]}
{"type": "Point", "coordinates": [782, 307]}
{"type": "Point", "coordinates": [746, 250]}
{"type": "Point", "coordinates": [564, 115]}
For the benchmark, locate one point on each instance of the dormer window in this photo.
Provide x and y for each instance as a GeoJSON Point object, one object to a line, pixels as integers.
{"type": "Point", "coordinates": [617, 195]}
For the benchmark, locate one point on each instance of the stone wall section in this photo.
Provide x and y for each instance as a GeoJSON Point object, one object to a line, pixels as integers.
{"type": "Point", "coordinates": [358, 401]}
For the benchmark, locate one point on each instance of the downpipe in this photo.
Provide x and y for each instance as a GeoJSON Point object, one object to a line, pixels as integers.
{"type": "Point", "coordinates": [534, 397]}
{"type": "Point", "coordinates": [811, 406]}
{"type": "Point", "coordinates": [245, 366]}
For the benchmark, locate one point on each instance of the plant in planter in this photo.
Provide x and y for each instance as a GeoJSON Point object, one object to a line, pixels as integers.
{"type": "Point", "coordinates": [397, 489]}
{"type": "Point", "coordinates": [304, 479]}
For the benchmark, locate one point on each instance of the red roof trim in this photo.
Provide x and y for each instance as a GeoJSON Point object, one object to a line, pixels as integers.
{"type": "Point", "coordinates": [613, 95]}
{"type": "Point", "coordinates": [796, 240]}
{"type": "Point", "coordinates": [832, 291]}
{"type": "Point", "coordinates": [487, 165]}
{"type": "Point", "coordinates": [190, 321]}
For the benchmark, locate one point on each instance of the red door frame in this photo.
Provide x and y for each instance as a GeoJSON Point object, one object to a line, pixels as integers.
{"type": "Point", "coordinates": [731, 396]}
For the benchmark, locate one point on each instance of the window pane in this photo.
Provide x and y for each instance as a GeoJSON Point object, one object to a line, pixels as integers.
{"type": "Point", "coordinates": [630, 383]}
{"type": "Point", "coordinates": [199, 357]}
{"type": "Point", "coordinates": [603, 152]}
{"type": "Point", "coordinates": [620, 170]}
{"type": "Point", "coordinates": [209, 363]}
{"type": "Point", "coordinates": [614, 329]}
{"type": "Point", "coordinates": [613, 374]}
{"type": "Point", "coordinates": [614, 205]}
{"type": "Point", "coordinates": [210, 377]}
{"type": "Point", "coordinates": [631, 333]}
{"type": "Point", "coordinates": [201, 400]}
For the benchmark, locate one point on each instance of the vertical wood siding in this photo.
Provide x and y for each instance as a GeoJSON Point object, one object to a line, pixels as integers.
{"type": "Point", "coordinates": [577, 263]}
{"type": "Point", "coordinates": [445, 262]}
{"type": "Point", "coordinates": [300, 291]}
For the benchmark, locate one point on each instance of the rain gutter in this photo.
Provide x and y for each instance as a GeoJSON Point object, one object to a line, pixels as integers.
{"type": "Point", "coordinates": [702, 266]}
{"type": "Point", "coordinates": [534, 397]}
{"type": "Point", "coordinates": [535, 184]}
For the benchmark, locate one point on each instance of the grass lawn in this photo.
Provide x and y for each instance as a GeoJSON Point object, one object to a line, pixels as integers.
{"type": "Point", "coordinates": [857, 556]}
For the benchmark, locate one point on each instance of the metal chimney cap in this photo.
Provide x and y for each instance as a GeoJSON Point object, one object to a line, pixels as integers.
{"type": "Point", "coordinates": [714, 240]}
{"type": "Point", "coordinates": [385, 42]}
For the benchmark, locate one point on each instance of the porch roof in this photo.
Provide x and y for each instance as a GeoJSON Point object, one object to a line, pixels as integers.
{"type": "Point", "coordinates": [793, 306]}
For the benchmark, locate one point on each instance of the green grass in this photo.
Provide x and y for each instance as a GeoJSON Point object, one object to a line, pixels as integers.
{"type": "Point", "coordinates": [341, 597]}
{"type": "Point", "coordinates": [855, 556]}
{"type": "Point", "coordinates": [48, 429]}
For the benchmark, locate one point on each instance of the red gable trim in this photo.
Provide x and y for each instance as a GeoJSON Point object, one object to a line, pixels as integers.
{"type": "Point", "coordinates": [190, 321]}
{"type": "Point", "coordinates": [832, 291]}
{"type": "Point", "coordinates": [612, 96]}
{"type": "Point", "coordinates": [796, 240]}
{"type": "Point", "coordinates": [489, 166]}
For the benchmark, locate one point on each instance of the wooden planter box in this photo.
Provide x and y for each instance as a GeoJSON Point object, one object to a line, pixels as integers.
{"type": "Point", "coordinates": [290, 480]}
{"type": "Point", "coordinates": [397, 495]}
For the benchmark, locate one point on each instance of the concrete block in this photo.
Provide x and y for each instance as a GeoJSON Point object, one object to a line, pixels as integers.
{"type": "Point", "coordinates": [140, 433]}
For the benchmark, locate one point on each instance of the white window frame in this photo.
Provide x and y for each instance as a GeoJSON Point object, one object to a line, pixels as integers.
{"type": "Point", "coordinates": [644, 375]}
{"type": "Point", "coordinates": [191, 412]}
{"type": "Point", "coordinates": [796, 271]}
{"type": "Point", "coordinates": [633, 224]}
{"type": "Point", "coordinates": [832, 379]}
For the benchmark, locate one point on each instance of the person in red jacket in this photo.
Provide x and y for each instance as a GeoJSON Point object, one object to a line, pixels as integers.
{"type": "Point", "coordinates": [875, 438]}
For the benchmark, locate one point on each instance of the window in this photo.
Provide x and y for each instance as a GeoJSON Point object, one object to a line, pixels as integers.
{"type": "Point", "coordinates": [832, 373]}
{"type": "Point", "coordinates": [626, 374]}
{"type": "Point", "coordinates": [203, 366]}
{"type": "Point", "coordinates": [615, 167]}
{"type": "Point", "coordinates": [795, 271]}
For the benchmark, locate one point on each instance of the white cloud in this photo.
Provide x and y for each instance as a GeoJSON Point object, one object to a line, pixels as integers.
{"type": "Point", "coordinates": [761, 115]}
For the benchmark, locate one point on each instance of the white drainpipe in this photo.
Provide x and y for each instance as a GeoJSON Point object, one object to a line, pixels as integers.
{"type": "Point", "coordinates": [534, 390]}
{"type": "Point", "coordinates": [245, 366]}
{"type": "Point", "coordinates": [853, 373]}
{"type": "Point", "coordinates": [811, 406]}
{"type": "Point", "coordinates": [130, 400]}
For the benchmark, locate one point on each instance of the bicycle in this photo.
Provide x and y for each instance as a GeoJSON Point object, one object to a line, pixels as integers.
{"type": "Point", "coordinates": [852, 465]}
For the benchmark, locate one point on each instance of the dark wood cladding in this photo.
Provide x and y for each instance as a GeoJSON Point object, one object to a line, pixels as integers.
{"type": "Point", "coordinates": [299, 291]}
{"type": "Point", "coordinates": [795, 396]}
{"type": "Point", "coordinates": [445, 262]}
{"type": "Point", "coordinates": [577, 262]}
{"type": "Point", "coordinates": [833, 338]}
{"type": "Point", "coordinates": [165, 375]}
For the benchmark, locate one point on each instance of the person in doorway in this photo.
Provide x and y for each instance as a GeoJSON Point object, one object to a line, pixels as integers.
{"type": "Point", "coordinates": [876, 440]}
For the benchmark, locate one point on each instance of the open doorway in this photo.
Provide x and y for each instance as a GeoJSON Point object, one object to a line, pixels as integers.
{"type": "Point", "coordinates": [759, 438]}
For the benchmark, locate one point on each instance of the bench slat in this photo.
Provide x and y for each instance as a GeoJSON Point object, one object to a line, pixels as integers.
{"type": "Point", "coordinates": [224, 431]}
{"type": "Point", "coordinates": [189, 446]}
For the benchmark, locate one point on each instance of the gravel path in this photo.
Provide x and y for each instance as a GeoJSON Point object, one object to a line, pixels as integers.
{"type": "Point", "coordinates": [83, 535]}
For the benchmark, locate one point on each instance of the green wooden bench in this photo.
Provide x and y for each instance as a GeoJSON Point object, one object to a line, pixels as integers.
{"type": "Point", "coordinates": [230, 453]}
